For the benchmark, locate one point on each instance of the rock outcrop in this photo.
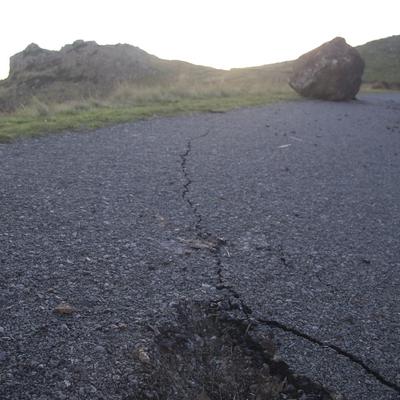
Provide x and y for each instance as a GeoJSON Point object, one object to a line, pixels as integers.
{"type": "Point", "coordinates": [82, 62]}
{"type": "Point", "coordinates": [332, 71]}
{"type": "Point", "coordinates": [85, 69]}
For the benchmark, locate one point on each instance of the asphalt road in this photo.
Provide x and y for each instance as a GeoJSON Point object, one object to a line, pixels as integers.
{"type": "Point", "coordinates": [292, 209]}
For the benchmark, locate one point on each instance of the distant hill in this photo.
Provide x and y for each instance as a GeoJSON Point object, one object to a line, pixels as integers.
{"type": "Point", "coordinates": [382, 65]}
{"type": "Point", "coordinates": [126, 74]}
{"type": "Point", "coordinates": [86, 69]}
{"type": "Point", "coordinates": [382, 60]}
{"type": "Point", "coordinates": [123, 73]}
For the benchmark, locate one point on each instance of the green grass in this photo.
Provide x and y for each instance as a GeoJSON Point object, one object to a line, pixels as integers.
{"type": "Point", "coordinates": [59, 105]}
{"type": "Point", "coordinates": [177, 88]}
{"type": "Point", "coordinates": [382, 60]}
{"type": "Point", "coordinates": [40, 118]}
{"type": "Point", "coordinates": [182, 90]}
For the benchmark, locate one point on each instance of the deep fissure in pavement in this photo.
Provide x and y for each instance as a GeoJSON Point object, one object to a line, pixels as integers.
{"type": "Point", "coordinates": [233, 296]}
{"type": "Point", "coordinates": [337, 349]}
{"type": "Point", "coordinates": [207, 351]}
{"type": "Point", "coordinates": [186, 187]}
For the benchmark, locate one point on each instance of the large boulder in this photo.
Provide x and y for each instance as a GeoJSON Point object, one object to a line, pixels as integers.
{"type": "Point", "coordinates": [79, 70]}
{"type": "Point", "coordinates": [81, 62]}
{"type": "Point", "coordinates": [332, 71]}
{"type": "Point", "coordinates": [84, 70]}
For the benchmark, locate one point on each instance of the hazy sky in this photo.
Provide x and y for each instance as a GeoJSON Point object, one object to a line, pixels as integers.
{"type": "Point", "coordinates": [218, 33]}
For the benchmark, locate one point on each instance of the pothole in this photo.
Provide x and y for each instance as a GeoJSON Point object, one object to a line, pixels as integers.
{"type": "Point", "coordinates": [207, 352]}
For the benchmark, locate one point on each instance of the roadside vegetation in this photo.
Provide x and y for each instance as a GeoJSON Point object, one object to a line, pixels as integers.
{"type": "Point", "coordinates": [128, 102]}
{"type": "Point", "coordinates": [40, 118]}
{"type": "Point", "coordinates": [382, 59]}
{"type": "Point", "coordinates": [45, 102]}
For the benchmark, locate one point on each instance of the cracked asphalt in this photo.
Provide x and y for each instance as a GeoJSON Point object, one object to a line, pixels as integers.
{"type": "Point", "coordinates": [291, 209]}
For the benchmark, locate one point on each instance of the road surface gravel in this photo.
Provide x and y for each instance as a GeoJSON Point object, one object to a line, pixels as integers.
{"type": "Point", "coordinates": [292, 209]}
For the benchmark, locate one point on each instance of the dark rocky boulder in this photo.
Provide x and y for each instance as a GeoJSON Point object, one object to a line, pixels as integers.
{"type": "Point", "coordinates": [83, 63]}
{"type": "Point", "coordinates": [79, 70]}
{"type": "Point", "coordinates": [332, 71]}
{"type": "Point", "coordinates": [85, 70]}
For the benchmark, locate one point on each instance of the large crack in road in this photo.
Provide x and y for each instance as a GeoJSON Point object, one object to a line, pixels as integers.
{"type": "Point", "coordinates": [243, 237]}
{"type": "Point", "coordinates": [234, 298]}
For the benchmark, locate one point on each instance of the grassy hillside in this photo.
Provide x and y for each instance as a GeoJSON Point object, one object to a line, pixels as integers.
{"type": "Point", "coordinates": [214, 92]}
{"type": "Point", "coordinates": [39, 118]}
{"type": "Point", "coordinates": [59, 91]}
{"type": "Point", "coordinates": [86, 70]}
{"type": "Point", "coordinates": [382, 60]}
{"type": "Point", "coordinates": [86, 86]}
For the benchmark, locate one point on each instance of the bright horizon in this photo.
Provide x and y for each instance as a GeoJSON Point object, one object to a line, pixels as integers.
{"type": "Point", "coordinates": [227, 34]}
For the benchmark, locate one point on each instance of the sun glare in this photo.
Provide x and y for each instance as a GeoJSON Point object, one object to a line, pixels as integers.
{"type": "Point", "coordinates": [223, 34]}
